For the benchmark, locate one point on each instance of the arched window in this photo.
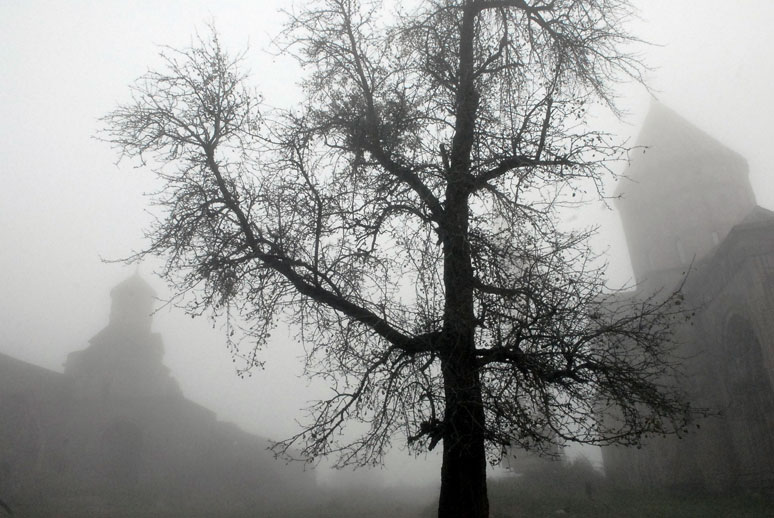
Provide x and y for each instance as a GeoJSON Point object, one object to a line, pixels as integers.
{"type": "Point", "coordinates": [750, 411]}
{"type": "Point", "coordinates": [748, 380]}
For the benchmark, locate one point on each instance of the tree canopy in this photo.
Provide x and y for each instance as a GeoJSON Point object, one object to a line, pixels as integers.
{"type": "Point", "coordinates": [405, 219]}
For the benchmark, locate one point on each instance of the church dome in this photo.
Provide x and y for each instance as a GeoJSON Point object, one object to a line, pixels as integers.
{"type": "Point", "coordinates": [132, 303]}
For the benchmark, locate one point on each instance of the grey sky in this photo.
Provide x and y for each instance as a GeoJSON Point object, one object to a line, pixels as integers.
{"type": "Point", "coordinates": [64, 203]}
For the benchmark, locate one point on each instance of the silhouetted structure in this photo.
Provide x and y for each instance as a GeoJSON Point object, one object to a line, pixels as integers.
{"type": "Point", "coordinates": [124, 360]}
{"type": "Point", "coordinates": [114, 433]}
{"type": "Point", "coordinates": [689, 206]}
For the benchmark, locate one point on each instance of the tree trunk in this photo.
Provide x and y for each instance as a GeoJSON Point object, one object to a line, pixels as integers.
{"type": "Point", "coordinates": [463, 473]}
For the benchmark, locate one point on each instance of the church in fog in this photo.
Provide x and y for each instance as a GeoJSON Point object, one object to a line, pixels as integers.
{"type": "Point", "coordinates": [115, 432]}
{"type": "Point", "coordinates": [689, 213]}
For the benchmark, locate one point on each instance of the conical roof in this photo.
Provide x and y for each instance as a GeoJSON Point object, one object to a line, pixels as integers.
{"type": "Point", "coordinates": [681, 196]}
{"type": "Point", "coordinates": [667, 137]}
{"type": "Point", "coordinates": [135, 286]}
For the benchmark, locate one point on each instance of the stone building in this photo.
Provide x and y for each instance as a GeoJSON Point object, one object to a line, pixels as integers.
{"type": "Point", "coordinates": [688, 209]}
{"type": "Point", "coordinates": [124, 360]}
{"type": "Point", "coordinates": [113, 435]}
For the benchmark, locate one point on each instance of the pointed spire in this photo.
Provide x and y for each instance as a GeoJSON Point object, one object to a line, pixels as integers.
{"type": "Point", "coordinates": [666, 139]}
{"type": "Point", "coordinates": [681, 196]}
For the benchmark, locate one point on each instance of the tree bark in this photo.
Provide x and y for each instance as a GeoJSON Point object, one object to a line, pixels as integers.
{"type": "Point", "coordinates": [463, 473]}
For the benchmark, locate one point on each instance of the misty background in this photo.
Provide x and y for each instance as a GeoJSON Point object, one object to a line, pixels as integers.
{"type": "Point", "coordinates": [65, 205]}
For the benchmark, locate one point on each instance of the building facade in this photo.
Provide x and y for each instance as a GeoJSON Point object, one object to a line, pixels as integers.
{"type": "Point", "coordinates": [690, 216]}
{"type": "Point", "coordinates": [113, 435]}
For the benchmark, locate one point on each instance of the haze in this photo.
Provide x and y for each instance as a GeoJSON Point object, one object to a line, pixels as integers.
{"type": "Point", "coordinates": [65, 205]}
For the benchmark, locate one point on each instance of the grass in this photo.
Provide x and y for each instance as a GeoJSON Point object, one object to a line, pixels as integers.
{"type": "Point", "coordinates": [578, 491]}
{"type": "Point", "coordinates": [620, 504]}
{"type": "Point", "coordinates": [552, 490]}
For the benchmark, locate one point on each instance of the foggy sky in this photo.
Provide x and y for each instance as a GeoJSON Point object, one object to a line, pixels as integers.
{"type": "Point", "coordinates": [64, 203]}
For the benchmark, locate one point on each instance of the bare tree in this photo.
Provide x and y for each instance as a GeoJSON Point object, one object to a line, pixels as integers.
{"type": "Point", "coordinates": [405, 220]}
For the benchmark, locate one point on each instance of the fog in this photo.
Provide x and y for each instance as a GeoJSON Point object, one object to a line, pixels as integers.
{"type": "Point", "coordinates": [65, 205]}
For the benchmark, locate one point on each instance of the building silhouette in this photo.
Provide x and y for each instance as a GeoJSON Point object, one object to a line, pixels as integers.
{"type": "Point", "coordinates": [689, 214]}
{"type": "Point", "coordinates": [113, 435]}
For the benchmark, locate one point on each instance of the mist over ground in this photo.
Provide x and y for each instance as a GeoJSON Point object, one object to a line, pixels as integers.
{"type": "Point", "coordinates": [65, 205]}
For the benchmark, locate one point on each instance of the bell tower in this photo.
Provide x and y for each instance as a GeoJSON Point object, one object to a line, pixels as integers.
{"type": "Point", "coordinates": [682, 193]}
{"type": "Point", "coordinates": [132, 304]}
{"type": "Point", "coordinates": [125, 358]}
